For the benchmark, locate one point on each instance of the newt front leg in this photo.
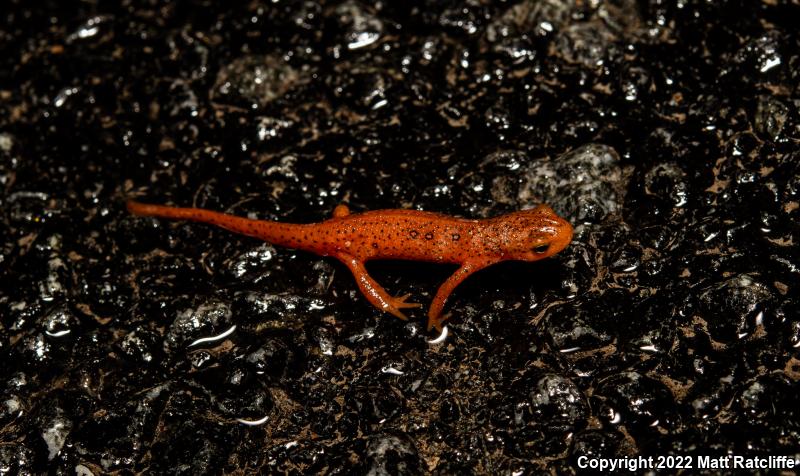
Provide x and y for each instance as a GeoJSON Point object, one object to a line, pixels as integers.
{"type": "Point", "coordinates": [447, 288]}
{"type": "Point", "coordinates": [374, 292]}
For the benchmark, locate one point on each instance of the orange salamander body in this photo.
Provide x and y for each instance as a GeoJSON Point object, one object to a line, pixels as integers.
{"type": "Point", "coordinates": [353, 239]}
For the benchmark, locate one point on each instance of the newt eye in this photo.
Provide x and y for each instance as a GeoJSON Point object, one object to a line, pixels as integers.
{"type": "Point", "coordinates": [541, 249]}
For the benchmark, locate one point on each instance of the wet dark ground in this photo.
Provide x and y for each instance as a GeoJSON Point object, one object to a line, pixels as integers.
{"type": "Point", "coordinates": [667, 133]}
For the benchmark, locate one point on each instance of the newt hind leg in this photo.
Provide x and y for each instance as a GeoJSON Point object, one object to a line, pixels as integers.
{"type": "Point", "coordinates": [373, 291]}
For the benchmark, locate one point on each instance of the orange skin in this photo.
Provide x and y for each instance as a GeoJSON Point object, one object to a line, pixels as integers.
{"type": "Point", "coordinates": [527, 235]}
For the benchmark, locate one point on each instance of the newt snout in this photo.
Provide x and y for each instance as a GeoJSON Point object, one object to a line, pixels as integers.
{"type": "Point", "coordinates": [557, 233]}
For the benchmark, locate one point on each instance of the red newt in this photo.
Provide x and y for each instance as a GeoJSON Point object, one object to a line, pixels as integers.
{"type": "Point", "coordinates": [354, 239]}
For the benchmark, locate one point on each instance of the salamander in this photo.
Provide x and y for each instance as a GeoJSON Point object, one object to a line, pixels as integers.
{"type": "Point", "coordinates": [355, 238]}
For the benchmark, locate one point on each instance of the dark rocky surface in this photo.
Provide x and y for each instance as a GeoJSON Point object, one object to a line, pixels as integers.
{"type": "Point", "coordinates": [667, 132]}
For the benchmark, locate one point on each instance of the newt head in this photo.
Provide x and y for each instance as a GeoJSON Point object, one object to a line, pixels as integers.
{"type": "Point", "coordinates": [537, 234]}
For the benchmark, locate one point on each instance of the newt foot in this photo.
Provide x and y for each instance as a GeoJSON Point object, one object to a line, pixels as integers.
{"type": "Point", "coordinates": [399, 302]}
{"type": "Point", "coordinates": [437, 322]}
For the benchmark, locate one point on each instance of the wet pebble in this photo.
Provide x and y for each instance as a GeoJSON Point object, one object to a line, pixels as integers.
{"type": "Point", "coordinates": [392, 454]}
{"type": "Point", "coordinates": [364, 89]}
{"type": "Point", "coordinates": [761, 55]}
{"type": "Point", "coordinates": [360, 27]}
{"type": "Point", "coordinates": [60, 322]}
{"type": "Point", "coordinates": [757, 407]}
{"type": "Point", "coordinates": [771, 117]}
{"type": "Point", "coordinates": [529, 17]}
{"type": "Point", "coordinates": [237, 392]}
{"type": "Point", "coordinates": [666, 182]}
{"type": "Point", "coordinates": [251, 265]}
{"type": "Point", "coordinates": [652, 328]}
{"type": "Point", "coordinates": [557, 403]}
{"type": "Point", "coordinates": [641, 404]}
{"type": "Point", "coordinates": [140, 346]}
{"type": "Point", "coordinates": [582, 333]}
{"type": "Point", "coordinates": [254, 81]}
{"type": "Point", "coordinates": [272, 310]}
{"type": "Point", "coordinates": [18, 458]}
{"type": "Point", "coordinates": [734, 307]}
{"type": "Point", "coordinates": [208, 319]}
{"type": "Point", "coordinates": [28, 206]}
{"type": "Point", "coordinates": [585, 184]}
{"type": "Point", "coordinates": [595, 444]}
{"type": "Point", "coordinates": [276, 359]}
{"type": "Point", "coordinates": [588, 44]}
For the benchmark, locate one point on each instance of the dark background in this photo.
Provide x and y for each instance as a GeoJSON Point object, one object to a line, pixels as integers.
{"type": "Point", "coordinates": [666, 132]}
